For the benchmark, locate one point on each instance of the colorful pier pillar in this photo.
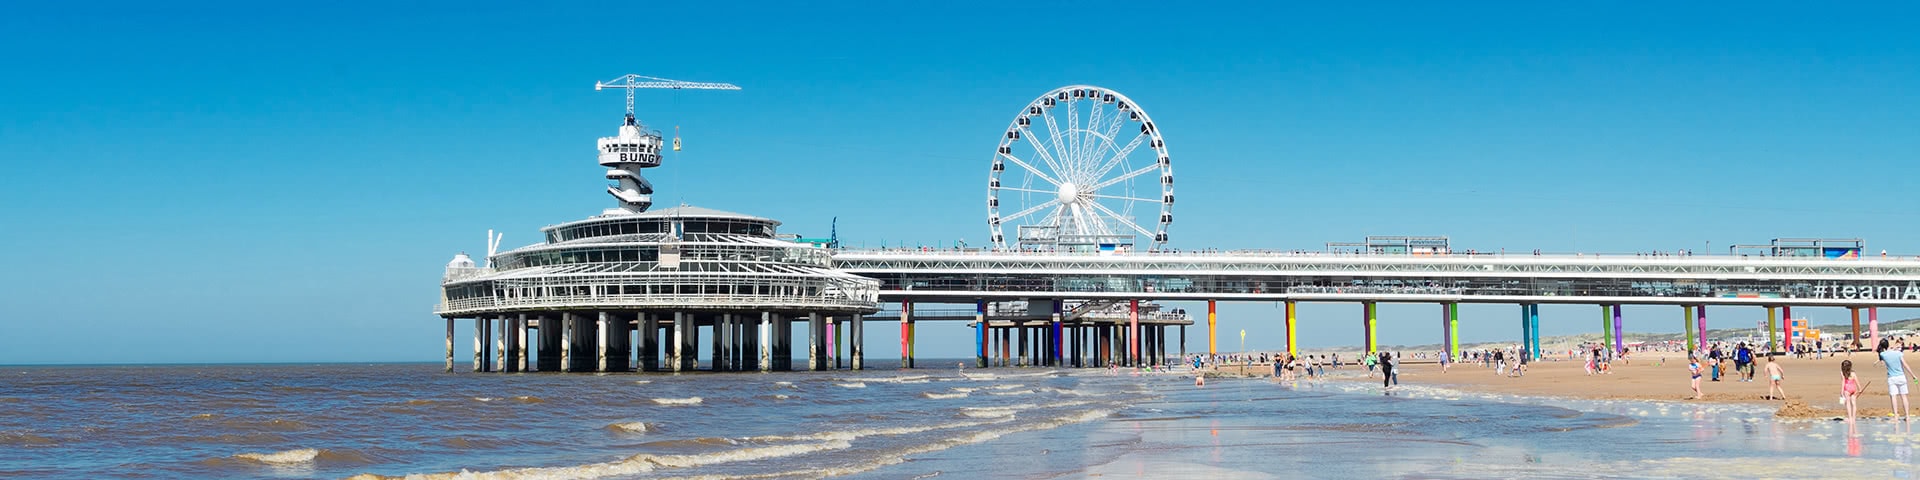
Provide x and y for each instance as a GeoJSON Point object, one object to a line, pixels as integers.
{"type": "Point", "coordinates": [980, 334]}
{"type": "Point", "coordinates": [1619, 331]}
{"type": "Point", "coordinates": [1873, 327]}
{"type": "Point", "coordinates": [1526, 327]}
{"type": "Point", "coordinates": [1133, 332]}
{"type": "Point", "coordinates": [1057, 346]}
{"type": "Point", "coordinates": [1292, 346]}
{"type": "Point", "coordinates": [1786, 325]}
{"type": "Point", "coordinates": [1686, 323]}
{"type": "Point", "coordinates": [1213, 346]}
{"type": "Point", "coordinates": [1453, 329]}
{"type": "Point", "coordinates": [1700, 321]}
{"type": "Point", "coordinates": [1606, 323]}
{"type": "Point", "coordinates": [906, 334]}
{"type": "Point", "coordinates": [1856, 325]}
{"type": "Point", "coordinates": [1369, 311]}
{"type": "Point", "coordinates": [1773, 334]}
{"type": "Point", "coordinates": [1533, 329]}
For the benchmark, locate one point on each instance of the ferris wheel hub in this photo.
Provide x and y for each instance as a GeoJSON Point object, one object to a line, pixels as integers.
{"type": "Point", "coordinates": [1069, 193]}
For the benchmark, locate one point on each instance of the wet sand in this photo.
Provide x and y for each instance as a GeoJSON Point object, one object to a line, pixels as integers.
{"type": "Point", "coordinates": [1812, 385]}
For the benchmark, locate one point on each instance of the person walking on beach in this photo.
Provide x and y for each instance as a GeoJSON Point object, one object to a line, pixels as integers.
{"type": "Point", "coordinates": [1897, 372]}
{"type": "Point", "coordinates": [1370, 361]}
{"type": "Point", "coordinates": [1774, 375]}
{"type": "Point", "coordinates": [1849, 389]}
{"type": "Point", "coordinates": [1693, 367]}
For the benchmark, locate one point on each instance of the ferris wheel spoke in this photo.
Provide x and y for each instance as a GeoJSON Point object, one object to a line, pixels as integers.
{"type": "Point", "coordinates": [1073, 124]}
{"type": "Point", "coordinates": [1036, 172]}
{"type": "Point", "coordinates": [1053, 130]}
{"type": "Point", "coordinates": [1120, 156]}
{"type": "Point", "coordinates": [1030, 210]}
{"type": "Point", "coordinates": [1028, 190]}
{"type": "Point", "coordinates": [1117, 197]}
{"type": "Point", "coordinates": [1041, 148]}
{"type": "Point", "coordinates": [1123, 220]}
{"type": "Point", "coordinates": [1128, 175]}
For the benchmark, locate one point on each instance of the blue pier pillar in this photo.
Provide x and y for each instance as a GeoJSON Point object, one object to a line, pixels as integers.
{"type": "Point", "coordinates": [1054, 344]}
{"type": "Point", "coordinates": [980, 334]}
{"type": "Point", "coordinates": [1526, 327]}
{"type": "Point", "coordinates": [1533, 330]}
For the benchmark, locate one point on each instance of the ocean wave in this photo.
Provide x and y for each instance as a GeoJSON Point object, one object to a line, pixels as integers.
{"type": "Point", "coordinates": [852, 385]}
{"type": "Point", "coordinates": [630, 466]}
{"type": "Point", "coordinates": [703, 443]}
{"type": "Point", "coordinates": [307, 456]}
{"type": "Point", "coordinates": [485, 399]}
{"type": "Point", "coordinates": [856, 434]}
{"type": "Point", "coordinates": [1009, 393]}
{"type": "Point", "coordinates": [631, 427]}
{"type": "Point", "coordinates": [289, 457]}
{"type": "Point", "coordinates": [1009, 386]}
{"type": "Point", "coordinates": [678, 401]}
{"type": "Point", "coordinates": [529, 399]}
{"type": "Point", "coordinates": [642, 382]}
{"type": "Point", "coordinates": [944, 396]}
{"type": "Point", "coordinates": [900, 379]}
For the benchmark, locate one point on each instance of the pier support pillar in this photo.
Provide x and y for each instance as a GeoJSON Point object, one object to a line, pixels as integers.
{"type": "Point", "coordinates": [1056, 339]}
{"type": "Point", "coordinates": [1293, 345]}
{"type": "Point", "coordinates": [479, 344]}
{"type": "Point", "coordinates": [906, 334]}
{"type": "Point", "coordinates": [836, 332]}
{"type": "Point", "coordinates": [1686, 323]}
{"type": "Point", "coordinates": [980, 334]}
{"type": "Point", "coordinates": [678, 340]}
{"type": "Point", "coordinates": [1533, 328]}
{"type": "Point", "coordinates": [1619, 331]}
{"type": "Point", "coordinates": [1773, 333]}
{"type": "Point", "coordinates": [1213, 346]}
{"type": "Point", "coordinates": [1133, 332]}
{"type": "Point", "coordinates": [1446, 330]}
{"type": "Point", "coordinates": [1453, 329]}
{"type": "Point", "coordinates": [1856, 327]}
{"type": "Point", "coordinates": [649, 330]}
{"type": "Point", "coordinates": [718, 362]}
{"type": "Point", "coordinates": [550, 344]}
{"type": "Point", "coordinates": [1786, 326]}
{"type": "Point", "coordinates": [1369, 318]}
{"type": "Point", "coordinates": [1021, 341]}
{"type": "Point", "coordinates": [765, 331]}
{"type": "Point", "coordinates": [816, 351]}
{"type": "Point", "coordinates": [783, 335]}
{"type": "Point", "coordinates": [520, 338]}
{"type": "Point", "coordinates": [449, 344]}
{"type": "Point", "coordinates": [1873, 327]}
{"type": "Point", "coordinates": [857, 340]}
{"type": "Point", "coordinates": [567, 333]}
{"type": "Point", "coordinates": [601, 329]}
{"type": "Point", "coordinates": [1606, 324]}
{"type": "Point", "coordinates": [1700, 322]}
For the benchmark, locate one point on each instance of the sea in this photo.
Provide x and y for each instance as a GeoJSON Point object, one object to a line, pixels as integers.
{"type": "Point", "coordinates": [945, 421]}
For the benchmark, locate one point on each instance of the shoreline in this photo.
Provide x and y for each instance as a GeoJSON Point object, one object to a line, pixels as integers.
{"type": "Point", "coordinates": [1812, 386]}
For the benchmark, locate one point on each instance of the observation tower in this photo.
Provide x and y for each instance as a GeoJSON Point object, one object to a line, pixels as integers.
{"type": "Point", "coordinates": [634, 288]}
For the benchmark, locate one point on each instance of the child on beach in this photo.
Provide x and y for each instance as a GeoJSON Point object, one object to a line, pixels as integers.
{"type": "Point", "coordinates": [1774, 375]}
{"type": "Point", "coordinates": [1693, 367]}
{"type": "Point", "coordinates": [1897, 373]}
{"type": "Point", "coordinates": [1849, 389]}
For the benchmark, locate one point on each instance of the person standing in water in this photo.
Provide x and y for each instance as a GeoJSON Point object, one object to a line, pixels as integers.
{"type": "Point", "coordinates": [1774, 375]}
{"type": "Point", "coordinates": [1849, 389]}
{"type": "Point", "coordinates": [1897, 372]}
{"type": "Point", "coordinates": [1386, 370]}
{"type": "Point", "coordinates": [1693, 367]}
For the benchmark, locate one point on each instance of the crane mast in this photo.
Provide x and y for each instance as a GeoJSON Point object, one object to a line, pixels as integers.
{"type": "Point", "coordinates": [636, 148]}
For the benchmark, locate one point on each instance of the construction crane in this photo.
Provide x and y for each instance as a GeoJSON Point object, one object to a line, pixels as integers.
{"type": "Point", "coordinates": [632, 82]}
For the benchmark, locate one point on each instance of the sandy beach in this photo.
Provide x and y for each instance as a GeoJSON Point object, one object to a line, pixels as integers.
{"type": "Point", "coordinates": [1812, 385]}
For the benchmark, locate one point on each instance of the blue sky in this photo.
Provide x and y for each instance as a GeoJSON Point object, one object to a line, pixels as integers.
{"type": "Point", "coordinates": [233, 182]}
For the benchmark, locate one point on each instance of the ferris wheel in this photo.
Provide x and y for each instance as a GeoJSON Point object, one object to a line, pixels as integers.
{"type": "Point", "coordinates": [1081, 168]}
